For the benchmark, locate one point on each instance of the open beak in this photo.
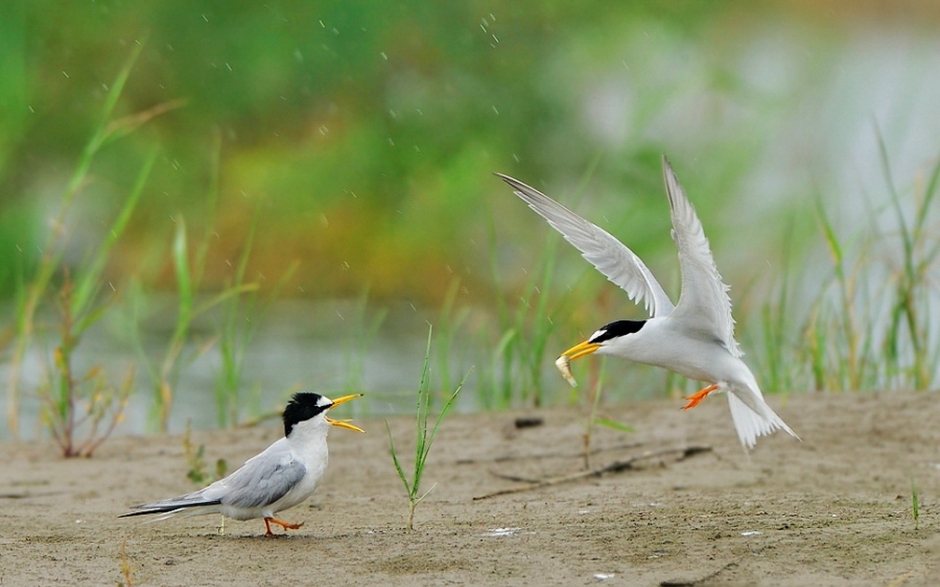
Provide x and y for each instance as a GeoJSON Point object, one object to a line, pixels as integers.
{"type": "Point", "coordinates": [581, 350]}
{"type": "Point", "coordinates": [344, 423]}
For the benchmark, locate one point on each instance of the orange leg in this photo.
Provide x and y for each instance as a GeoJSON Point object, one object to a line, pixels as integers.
{"type": "Point", "coordinates": [281, 523]}
{"type": "Point", "coordinates": [699, 395]}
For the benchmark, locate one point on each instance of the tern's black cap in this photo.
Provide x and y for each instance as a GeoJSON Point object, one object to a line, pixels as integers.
{"type": "Point", "coordinates": [303, 406]}
{"type": "Point", "coordinates": [616, 329]}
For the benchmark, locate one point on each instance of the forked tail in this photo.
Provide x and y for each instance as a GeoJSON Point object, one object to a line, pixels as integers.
{"type": "Point", "coordinates": [751, 423]}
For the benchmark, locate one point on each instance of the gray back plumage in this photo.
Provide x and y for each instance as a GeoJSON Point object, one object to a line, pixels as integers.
{"type": "Point", "coordinates": [262, 482]}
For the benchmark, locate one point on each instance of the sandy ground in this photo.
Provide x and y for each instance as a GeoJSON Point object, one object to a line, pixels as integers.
{"type": "Point", "coordinates": [832, 510]}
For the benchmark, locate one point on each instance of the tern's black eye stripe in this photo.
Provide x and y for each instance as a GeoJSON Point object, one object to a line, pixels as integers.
{"type": "Point", "coordinates": [616, 329]}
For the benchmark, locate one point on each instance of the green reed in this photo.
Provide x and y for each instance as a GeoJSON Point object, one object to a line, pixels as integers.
{"type": "Point", "coordinates": [450, 325]}
{"type": "Point", "coordinates": [424, 439]}
{"type": "Point", "coordinates": [77, 403]}
{"type": "Point", "coordinates": [35, 290]}
{"type": "Point", "coordinates": [867, 324]}
{"type": "Point", "coordinates": [242, 313]}
{"type": "Point", "coordinates": [362, 327]}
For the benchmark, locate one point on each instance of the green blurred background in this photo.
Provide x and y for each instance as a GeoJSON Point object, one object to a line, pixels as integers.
{"type": "Point", "coordinates": [360, 138]}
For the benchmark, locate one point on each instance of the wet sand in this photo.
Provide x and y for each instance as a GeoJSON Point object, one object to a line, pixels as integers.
{"type": "Point", "coordinates": [832, 510]}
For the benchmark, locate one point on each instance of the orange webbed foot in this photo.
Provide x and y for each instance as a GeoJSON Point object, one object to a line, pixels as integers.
{"type": "Point", "coordinates": [697, 397]}
{"type": "Point", "coordinates": [281, 523]}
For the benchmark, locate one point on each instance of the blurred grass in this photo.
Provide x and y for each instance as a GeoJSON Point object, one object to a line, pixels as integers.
{"type": "Point", "coordinates": [352, 147]}
{"type": "Point", "coordinates": [372, 126]}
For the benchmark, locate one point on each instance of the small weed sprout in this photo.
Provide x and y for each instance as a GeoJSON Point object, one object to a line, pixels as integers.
{"type": "Point", "coordinates": [195, 458]}
{"type": "Point", "coordinates": [594, 420]}
{"type": "Point", "coordinates": [424, 440]}
{"type": "Point", "coordinates": [915, 505]}
{"type": "Point", "coordinates": [126, 566]}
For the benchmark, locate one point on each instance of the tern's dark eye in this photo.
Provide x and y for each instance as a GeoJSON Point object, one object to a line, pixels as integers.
{"type": "Point", "coordinates": [616, 329]}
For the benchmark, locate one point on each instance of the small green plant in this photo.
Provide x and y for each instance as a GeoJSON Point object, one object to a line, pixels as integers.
{"type": "Point", "coordinates": [74, 402]}
{"type": "Point", "coordinates": [512, 371]}
{"type": "Point", "coordinates": [594, 420]}
{"type": "Point", "coordinates": [195, 457]}
{"type": "Point", "coordinates": [915, 505]}
{"type": "Point", "coordinates": [911, 282]}
{"type": "Point", "coordinates": [424, 440]}
{"type": "Point", "coordinates": [164, 374]}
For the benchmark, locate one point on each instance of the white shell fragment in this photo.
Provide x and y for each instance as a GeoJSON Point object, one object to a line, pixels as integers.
{"type": "Point", "coordinates": [564, 366]}
{"type": "Point", "coordinates": [498, 532]}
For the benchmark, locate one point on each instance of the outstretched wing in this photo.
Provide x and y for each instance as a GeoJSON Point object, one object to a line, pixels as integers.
{"type": "Point", "coordinates": [704, 305]}
{"type": "Point", "coordinates": [608, 255]}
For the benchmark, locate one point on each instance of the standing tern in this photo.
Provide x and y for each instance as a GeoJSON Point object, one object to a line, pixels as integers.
{"type": "Point", "coordinates": [282, 476]}
{"type": "Point", "coordinates": [694, 338]}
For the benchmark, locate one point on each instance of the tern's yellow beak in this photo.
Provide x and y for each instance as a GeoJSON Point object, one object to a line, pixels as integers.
{"type": "Point", "coordinates": [581, 350]}
{"type": "Point", "coordinates": [344, 423]}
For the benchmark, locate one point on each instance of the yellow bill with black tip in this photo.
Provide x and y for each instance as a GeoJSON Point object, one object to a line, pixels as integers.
{"type": "Point", "coordinates": [581, 350]}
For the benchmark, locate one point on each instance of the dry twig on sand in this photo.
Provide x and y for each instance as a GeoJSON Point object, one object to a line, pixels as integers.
{"type": "Point", "coordinates": [700, 580]}
{"type": "Point", "coordinates": [548, 455]}
{"type": "Point", "coordinates": [681, 453]}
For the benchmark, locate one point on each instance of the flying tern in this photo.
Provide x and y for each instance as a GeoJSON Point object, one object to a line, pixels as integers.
{"type": "Point", "coordinates": [694, 338]}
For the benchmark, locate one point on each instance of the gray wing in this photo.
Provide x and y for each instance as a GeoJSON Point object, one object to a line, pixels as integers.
{"type": "Point", "coordinates": [704, 305]}
{"type": "Point", "coordinates": [262, 480]}
{"type": "Point", "coordinates": [608, 255]}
